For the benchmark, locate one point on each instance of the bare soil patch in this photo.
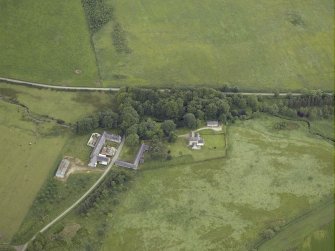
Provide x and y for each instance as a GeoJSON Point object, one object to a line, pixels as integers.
{"type": "Point", "coordinates": [78, 166]}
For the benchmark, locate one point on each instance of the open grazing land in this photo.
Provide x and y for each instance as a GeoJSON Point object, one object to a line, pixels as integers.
{"type": "Point", "coordinates": [316, 223]}
{"type": "Point", "coordinates": [66, 106]}
{"type": "Point", "coordinates": [269, 178]}
{"type": "Point", "coordinates": [46, 41]}
{"type": "Point", "coordinates": [256, 45]}
{"type": "Point", "coordinates": [27, 159]}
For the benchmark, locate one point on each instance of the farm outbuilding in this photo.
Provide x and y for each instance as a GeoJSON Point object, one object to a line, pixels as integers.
{"type": "Point", "coordinates": [103, 160]}
{"type": "Point", "coordinates": [138, 160]}
{"type": "Point", "coordinates": [96, 155]}
{"type": "Point", "coordinates": [62, 168]}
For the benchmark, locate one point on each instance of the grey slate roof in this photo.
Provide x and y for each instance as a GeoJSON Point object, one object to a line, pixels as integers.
{"type": "Point", "coordinates": [138, 158]}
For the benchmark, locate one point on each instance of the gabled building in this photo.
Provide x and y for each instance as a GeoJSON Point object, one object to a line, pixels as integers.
{"type": "Point", "coordinates": [195, 141]}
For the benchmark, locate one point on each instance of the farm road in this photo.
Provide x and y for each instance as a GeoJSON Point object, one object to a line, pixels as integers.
{"type": "Point", "coordinates": [115, 89]}
{"type": "Point", "coordinates": [116, 156]}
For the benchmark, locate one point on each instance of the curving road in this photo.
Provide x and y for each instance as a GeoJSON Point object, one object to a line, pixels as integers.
{"type": "Point", "coordinates": [57, 87]}
{"type": "Point", "coordinates": [116, 156]}
{"type": "Point", "coordinates": [115, 89]}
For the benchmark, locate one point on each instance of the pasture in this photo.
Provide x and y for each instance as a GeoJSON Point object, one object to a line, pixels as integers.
{"type": "Point", "coordinates": [27, 159]}
{"type": "Point", "coordinates": [324, 127]}
{"type": "Point", "coordinates": [321, 239]}
{"type": "Point", "coordinates": [255, 45]}
{"type": "Point", "coordinates": [268, 178]}
{"type": "Point", "coordinates": [306, 231]}
{"type": "Point", "coordinates": [46, 41]}
{"type": "Point", "coordinates": [67, 106]}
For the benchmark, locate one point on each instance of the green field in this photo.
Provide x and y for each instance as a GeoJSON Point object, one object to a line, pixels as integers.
{"type": "Point", "coordinates": [68, 106]}
{"type": "Point", "coordinates": [129, 153]}
{"type": "Point", "coordinates": [26, 161]}
{"type": "Point", "coordinates": [324, 127]}
{"type": "Point", "coordinates": [321, 239]}
{"type": "Point", "coordinates": [46, 41]}
{"type": "Point", "coordinates": [295, 233]}
{"type": "Point", "coordinates": [259, 45]}
{"type": "Point", "coordinates": [268, 178]}
{"type": "Point", "coordinates": [289, 46]}
{"type": "Point", "coordinates": [32, 147]}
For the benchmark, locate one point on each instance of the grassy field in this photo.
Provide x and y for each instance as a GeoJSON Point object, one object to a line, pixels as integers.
{"type": "Point", "coordinates": [129, 153]}
{"type": "Point", "coordinates": [26, 161]}
{"type": "Point", "coordinates": [324, 127]}
{"type": "Point", "coordinates": [32, 151]}
{"type": "Point", "coordinates": [295, 233]}
{"type": "Point", "coordinates": [46, 41]}
{"type": "Point", "coordinates": [268, 178]}
{"type": "Point", "coordinates": [321, 239]}
{"type": "Point", "coordinates": [255, 45]}
{"type": "Point", "coordinates": [68, 106]}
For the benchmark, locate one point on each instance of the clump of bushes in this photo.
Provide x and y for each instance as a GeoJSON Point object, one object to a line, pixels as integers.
{"type": "Point", "coordinates": [119, 39]}
{"type": "Point", "coordinates": [98, 13]}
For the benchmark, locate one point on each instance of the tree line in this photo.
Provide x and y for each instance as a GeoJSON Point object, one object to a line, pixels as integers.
{"type": "Point", "coordinates": [148, 114]}
{"type": "Point", "coordinates": [112, 184]}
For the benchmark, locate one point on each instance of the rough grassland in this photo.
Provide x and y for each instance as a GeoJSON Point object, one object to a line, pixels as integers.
{"type": "Point", "coordinates": [268, 178]}
{"type": "Point", "coordinates": [68, 106]}
{"type": "Point", "coordinates": [321, 239]}
{"type": "Point", "coordinates": [254, 44]}
{"type": "Point", "coordinates": [295, 233]}
{"type": "Point", "coordinates": [324, 127]}
{"type": "Point", "coordinates": [46, 41]}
